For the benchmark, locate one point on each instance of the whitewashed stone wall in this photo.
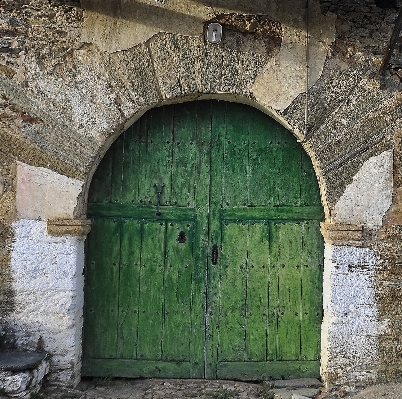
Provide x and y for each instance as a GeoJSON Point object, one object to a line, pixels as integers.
{"type": "Point", "coordinates": [350, 326]}
{"type": "Point", "coordinates": [48, 283]}
{"type": "Point", "coordinates": [48, 272]}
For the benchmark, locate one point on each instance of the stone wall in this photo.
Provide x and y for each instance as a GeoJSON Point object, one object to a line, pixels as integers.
{"type": "Point", "coordinates": [74, 75]}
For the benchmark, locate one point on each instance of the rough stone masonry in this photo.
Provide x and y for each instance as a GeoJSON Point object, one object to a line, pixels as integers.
{"type": "Point", "coordinates": [74, 75]}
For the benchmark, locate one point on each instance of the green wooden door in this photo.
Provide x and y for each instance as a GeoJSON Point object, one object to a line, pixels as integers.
{"type": "Point", "coordinates": [205, 256]}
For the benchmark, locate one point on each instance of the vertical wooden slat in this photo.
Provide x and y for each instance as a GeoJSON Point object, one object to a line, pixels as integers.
{"type": "Point", "coordinates": [235, 158]}
{"type": "Point", "coordinates": [259, 159]}
{"type": "Point", "coordinates": [155, 156]}
{"type": "Point", "coordinates": [311, 276]}
{"type": "Point", "coordinates": [101, 289]}
{"type": "Point", "coordinates": [117, 170]}
{"type": "Point", "coordinates": [208, 148]}
{"type": "Point", "coordinates": [177, 293]}
{"type": "Point", "coordinates": [290, 192]}
{"type": "Point", "coordinates": [257, 293]}
{"type": "Point", "coordinates": [185, 155]}
{"type": "Point", "coordinates": [212, 232]}
{"type": "Point", "coordinates": [202, 162]}
{"type": "Point", "coordinates": [310, 193]}
{"type": "Point", "coordinates": [233, 281]}
{"type": "Point", "coordinates": [285, 250]}
{"type": "Point", "coordinates": [273, 166]}
{"type": "Point", "coordinates": [150, 324]}
{"type": "Point", "coordinates": [273, 299]}
{"type": "Point", "coordinates": [131, 165]}
{"type": "Point", "coordinates": [130, 263]}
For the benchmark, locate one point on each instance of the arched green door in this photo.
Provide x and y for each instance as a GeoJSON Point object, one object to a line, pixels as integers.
{"type": "Point", "coordinates": [205, 256]}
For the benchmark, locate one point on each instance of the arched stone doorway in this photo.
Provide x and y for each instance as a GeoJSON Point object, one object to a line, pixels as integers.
{"type": "Point", "coordinates": [205, 258]}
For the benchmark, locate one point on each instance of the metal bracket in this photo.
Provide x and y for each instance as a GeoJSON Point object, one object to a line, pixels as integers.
{"type": "Point", "coordinates": [213, 33]}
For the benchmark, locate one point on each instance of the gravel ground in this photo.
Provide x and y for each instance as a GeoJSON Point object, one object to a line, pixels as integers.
{"type": "Point", "coordinates": [207, 389]}
{"type": "Point", "coordinates": [159, 389]}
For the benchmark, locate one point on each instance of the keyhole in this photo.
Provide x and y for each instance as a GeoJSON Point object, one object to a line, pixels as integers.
{"type": "Point", "coordinates": [181, 239]}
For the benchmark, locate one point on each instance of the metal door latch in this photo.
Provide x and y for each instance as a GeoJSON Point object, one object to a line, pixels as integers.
{"type": "Point", "coordinates": [215, 253]}
{"type": "Point", "coordinates": [159, 192]}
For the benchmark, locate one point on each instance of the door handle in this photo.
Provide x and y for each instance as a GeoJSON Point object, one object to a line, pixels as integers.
{"type": "Point", "coordinates": [215, 254]}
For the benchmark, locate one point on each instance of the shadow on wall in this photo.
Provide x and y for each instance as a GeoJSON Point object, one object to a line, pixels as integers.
{"type": "Point", "coordinates": [148, 14]}
{"type": "Point", "coordinates": [7, 295]}
{"type": "Point", "coordinates": [162, 16]}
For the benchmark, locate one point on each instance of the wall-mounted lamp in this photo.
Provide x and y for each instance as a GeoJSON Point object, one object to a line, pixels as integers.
{"type": "Point", "coordinates": [213, 32]}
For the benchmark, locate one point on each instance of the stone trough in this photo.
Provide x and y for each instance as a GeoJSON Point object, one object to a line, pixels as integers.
{"type": "Point", "coordinates": [22, 372]}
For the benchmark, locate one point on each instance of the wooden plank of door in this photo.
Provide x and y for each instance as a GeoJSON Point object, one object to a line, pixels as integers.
{"type": "Point", "coordinates": [179, 266]}
{"type": "Point", "coordinates": [213, 234]}
{"type": "Point", "coordinates": [273, 301]}
{"type": "Point", "coordinates": [207, 144]}
{"type": "Point", "coordinates": [101, 289]}
{"type": "Point", "coordinates": [155, 156]}
{"type": "Point", "coordinates": [257, 292]}
{"type": "Point", "coordinates": [130, 263]}
{"type": "Point", "coordinates": [266, 371]}
{"type": "Point", "coordinates": [290, 190]}
{"type": "Point", "coordinates": [130, 368]}
{"type": "Point", "coordinates": [185, 153]}
{"type": "Point", "coordinates": [259, 162]}
{"type": "Point", "coordinates": [131, 165]}
{"type": "Point", "coordinates": [235, 168]}
{"type": "Point", "coordinates": [233, 293]}
{"type": "Point", "coordinates": [202, 163]}
{"type": "Point", "coordinates": [117, 169]}
{"type": "Point", "coordinates": [150, 322]}
{"type": "Point", "coordinates": [309, 189]}
{"type": "Point", "coordinates": [311, 275]}
{"type": "Point", "coordinates": [287, 169]}
{"type": "Point", "coordinates": [285, 250]}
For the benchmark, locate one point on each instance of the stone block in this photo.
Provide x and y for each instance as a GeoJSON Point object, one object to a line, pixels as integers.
{"type": "Point", "coordinates": [42, 193]}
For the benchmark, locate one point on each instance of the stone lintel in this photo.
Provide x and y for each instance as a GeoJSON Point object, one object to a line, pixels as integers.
{"type": "Point", "coordinates": [74, 227]}
{"type": "Point", "coordinates": [342, 233]}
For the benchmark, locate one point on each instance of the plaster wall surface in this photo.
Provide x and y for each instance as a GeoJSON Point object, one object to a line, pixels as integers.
{"type": "Point", "coordinates": [45, 194]}
{"type": "Point", "coordinates": [284, 77]}
{"type": "Point", "coordinates": [110, 25]}
{"type": "Point", "coordinates": [350, 331]}
{"type": "Point", "coordinates": [369, 196]}
{"type": "Point", "coordinates": [48, 285]}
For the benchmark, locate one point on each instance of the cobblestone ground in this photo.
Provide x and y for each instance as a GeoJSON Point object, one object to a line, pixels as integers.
{"type": "Point", "coordinates": [207, 389]}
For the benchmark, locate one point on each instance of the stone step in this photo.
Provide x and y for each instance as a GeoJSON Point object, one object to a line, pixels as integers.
{"type": "Point", "coordinates": [21, 373]}
{"type": "Point", "coordinates": [296, 393]}
{"type": "Point", "coordinates": [297, 383]}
